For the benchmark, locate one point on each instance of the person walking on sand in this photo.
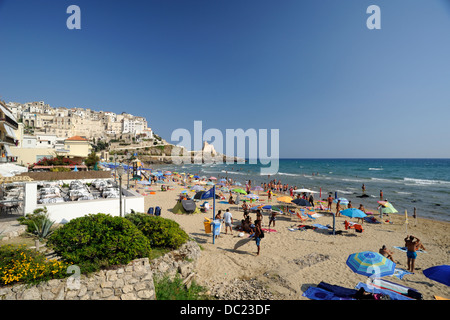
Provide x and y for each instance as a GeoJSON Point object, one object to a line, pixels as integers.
{"type": "Point", "coordinates": [228, 219]}
{"type": "Point", "coordinates": [381, 195]}
{"type": "Point", "coordinates": [411, 253]}
{"type": "Point", "coordinates": [363, 189]}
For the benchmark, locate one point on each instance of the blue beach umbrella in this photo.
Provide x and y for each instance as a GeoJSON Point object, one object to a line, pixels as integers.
{"type": "Point", "coordinates": [353, 213]}
{"type": "Point", "coordinates": [371, 264]}
{"type": "Point", "coordinates": [343, 201]}
{"type": "Point", "coordinates": [439, 273]}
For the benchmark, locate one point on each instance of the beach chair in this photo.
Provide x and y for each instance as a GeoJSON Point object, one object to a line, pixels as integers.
{"type": "Point", "coordinates": [299, 216]}
{"type": "Point", "coordinates": [348, 225]}
{"type": "Point", "coordinates": [157, 211]}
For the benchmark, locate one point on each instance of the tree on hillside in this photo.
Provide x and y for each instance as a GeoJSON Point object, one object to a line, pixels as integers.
{"type": "Point", "coordinates": [91, 160]}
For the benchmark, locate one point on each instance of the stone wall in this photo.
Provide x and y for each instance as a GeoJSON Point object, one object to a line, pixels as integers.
{"type": "Point", "coordinates": [131, 282]}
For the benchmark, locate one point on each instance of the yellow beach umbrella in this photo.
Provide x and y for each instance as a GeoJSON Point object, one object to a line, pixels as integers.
{"type": "Point", "coordinates": [285, 199]}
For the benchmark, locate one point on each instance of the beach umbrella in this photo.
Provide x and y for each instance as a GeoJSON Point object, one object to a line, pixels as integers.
{"type": "Point", "coordinates": [197, 188]}
{"type": "Point", "coordinates": [257, 188]}
{"type": "Point", "coordinates": [371, 264]}
{"type": "Point", "coordinates": [238, 190]}
{"type": "Point", "coordinates": [285, 199]}
{"type": "Point", "coordinates": [269, 207]}
{"type": "Point", "coordinates": [343, 201]}
{"type": "Point", "coordinates": [209, 183]}
{"type": "Point", "coordinates": [223, 180]}
{"type": "Point", "coordinates": [197, 177]}
{"type": "Point", "coordinates": [145, 182]}
{"type": "Point", "coordinates": [252, 196]}
{"type": "Point", "coordinates": [301, 202]}
{"type": "Point", "coordinates": [238, 184]}
{"type": "Point", "coordinates": [199, 194]}
{"type": "Point", "coordinates": [212, 178]}
{"type": "Point", "coordinates": [439, 273]}
{"type": "Point", "coordinates": [353, 213]}
{"type": "Point", "coordinates": [224, 189]}
{"type": "Point", "coordinates": [387, 207]}
{"type": "Point", "coordinates": [304, 190]}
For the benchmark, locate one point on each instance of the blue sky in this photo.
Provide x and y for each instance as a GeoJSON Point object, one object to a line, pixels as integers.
{"type": "Point", "coordinates": [311, 69]}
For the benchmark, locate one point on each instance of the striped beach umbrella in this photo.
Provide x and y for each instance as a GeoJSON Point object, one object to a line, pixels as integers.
{"type": "Point", "coordinates": [371, 264]}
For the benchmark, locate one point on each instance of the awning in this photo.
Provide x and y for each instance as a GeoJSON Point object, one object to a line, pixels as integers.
{"type": "Point", "coordinates": [10, 132]}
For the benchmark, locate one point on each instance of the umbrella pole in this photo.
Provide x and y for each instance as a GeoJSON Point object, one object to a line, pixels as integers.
{"type": "Point", "coordinates": [334, 224]}
{"type": "Point", "coordinates": [214, 211]}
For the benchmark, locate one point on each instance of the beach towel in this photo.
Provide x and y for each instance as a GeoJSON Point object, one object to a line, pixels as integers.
{"type": "Point", "coordinates": [315, 293]}
{"type": "Point", "coordinates": [403, 249]}
{"type": "Point", "coordinates": [395, 287]}
{"type": "Point", "coordinates": [400, 273]}
{"type": "Point", "coordinates": [320, 226]}
{"type": "Point", "coordinates": [393, 295]}
{"type": "Point", "coordinates": [338, 290]}
{"type": "Point", "coordinates": [268, 230]}
{"type": "Point", "coordinates": [371, 220]}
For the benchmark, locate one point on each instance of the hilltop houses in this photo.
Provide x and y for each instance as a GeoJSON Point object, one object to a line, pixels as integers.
{"type": "Point", "coordinates": [34, 130]}
{"type": "Point", "coordinates": [39, 117]}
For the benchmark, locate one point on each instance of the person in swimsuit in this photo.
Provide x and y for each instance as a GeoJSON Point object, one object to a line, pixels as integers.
{"type": "Point", "coordinates": [272, 218]}
{"type": "Point", "coordinates": [411, 253]}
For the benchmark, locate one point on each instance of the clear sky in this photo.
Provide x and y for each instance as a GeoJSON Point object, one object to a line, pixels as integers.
{"type": "Point", "coordinates": [311, 69]}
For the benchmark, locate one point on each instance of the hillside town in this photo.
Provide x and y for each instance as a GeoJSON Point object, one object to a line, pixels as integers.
{"type": "Point", "coordinates": [34, 130]}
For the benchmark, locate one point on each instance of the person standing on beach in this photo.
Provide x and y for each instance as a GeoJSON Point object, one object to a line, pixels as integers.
{"type": "Point", "coordinates": [330, 201]}
{"type": "Point", "coordinates": [246, 208]}
{"type": "Point", "coordinates": [338, 208]}
{"type": "Point", "coordinates": [272, 218]}
{"type": "Point", "coordinates": [411, 253]}
{"type": "Point", "coordinates": [258, 235]}
{"type": "Point", "coordinates": [311, 200]}
{"type": "Point", "coordinates": [228, 219]}
{"type": "Point", "coordinates": [363, 189]}
{"type": "Point", "coordinates": [381, 194]}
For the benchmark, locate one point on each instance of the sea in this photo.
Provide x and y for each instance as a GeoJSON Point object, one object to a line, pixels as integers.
{"type": "Point", "coordinates": [423, 184]}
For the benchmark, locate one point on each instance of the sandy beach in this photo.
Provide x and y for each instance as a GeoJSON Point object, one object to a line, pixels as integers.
{"type": "Point", "coordinates": [291, 261]}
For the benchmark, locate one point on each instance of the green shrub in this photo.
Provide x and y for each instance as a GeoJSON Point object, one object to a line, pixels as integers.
{"type": "Point", "coordinates": [161, 232]}
{"type": "Point", "coordinates": [37, 218]}
{"type": "Point", "coordinates": [99, 240]}
{"type": "Point", "coordinates": [173, 289]}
